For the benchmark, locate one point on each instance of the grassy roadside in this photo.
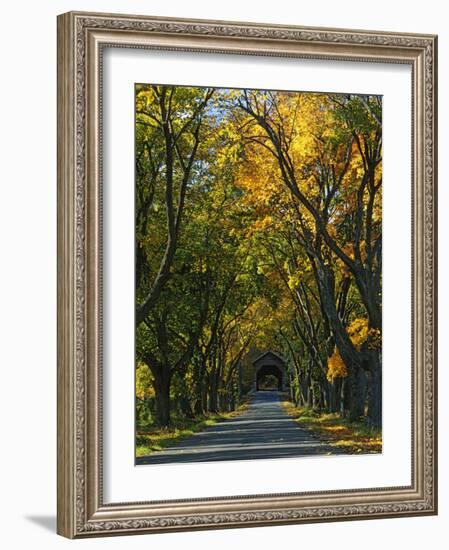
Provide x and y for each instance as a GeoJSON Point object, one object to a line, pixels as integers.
{"type": "Point", "coordinates": [354, 437]}
{"type": "Point", "coordinates": [154, 439]}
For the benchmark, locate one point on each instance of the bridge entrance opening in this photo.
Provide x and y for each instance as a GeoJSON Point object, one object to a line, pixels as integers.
{"type": "Point", "coordinates": [269, 378]}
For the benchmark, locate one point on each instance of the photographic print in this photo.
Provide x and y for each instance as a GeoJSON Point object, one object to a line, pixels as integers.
{"type": "Point", "coordinates": [258, 274]}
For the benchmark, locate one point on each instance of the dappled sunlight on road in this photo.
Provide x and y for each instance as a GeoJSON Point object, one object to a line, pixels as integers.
{"type": "Point", "coordinates": [263, 431]}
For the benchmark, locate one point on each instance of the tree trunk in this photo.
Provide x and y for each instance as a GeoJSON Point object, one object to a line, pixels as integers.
{"type": "Point", "coordinates": [186, 407]}
{"type": "Point", "coordinates": [232, 401]}
{"type": "Point", "coordinates": [346, 398]}
{"type": "Point", "coordinates": [339, 392]}
{"type": "Point", "coordinates": [199, 389]}
{"type": "Point", "coordinates": [162, 390]}
{"type": "Point", "coordinates": [357, 389]}
{"type": "Point", "coordinates": [199, 404]}
{"type": "Point", "coordinates": [375, 392]}
{"type": "Point", "coordinates": [341, 397]}
{"type": "Point", "coordinates": [327, 393]}
{"type": "Point", "coordinates": [333, 395]}
{"type": "Point", "coordinates": [213, 393]}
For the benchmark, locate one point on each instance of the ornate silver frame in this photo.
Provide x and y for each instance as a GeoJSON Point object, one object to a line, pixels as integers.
{"type": "Point", "coordinates": [81, 511]}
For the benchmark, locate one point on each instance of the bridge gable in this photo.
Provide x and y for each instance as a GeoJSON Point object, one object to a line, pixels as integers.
{"type": "Point", "coordinates": [269, 358]}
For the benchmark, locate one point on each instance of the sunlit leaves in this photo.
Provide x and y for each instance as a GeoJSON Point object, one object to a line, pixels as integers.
{"type": "Point", "coordinates": [282, 187]}
{"type": "Point", "coordinates": [144, 387]}
{"type": "Point", "coordinates": [336, 367]}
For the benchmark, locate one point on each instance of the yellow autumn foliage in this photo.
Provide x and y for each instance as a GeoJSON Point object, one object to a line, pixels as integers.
{"type": "Point", "coordinates": [359, 333]}
{"type": "Point", "coordinates": [336, 367]}
{"type": "Point", "coordinates": [144, 386]}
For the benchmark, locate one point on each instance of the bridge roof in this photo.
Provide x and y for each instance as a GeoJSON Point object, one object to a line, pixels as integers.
{"type": "Point", "coordinates": [266, 355]}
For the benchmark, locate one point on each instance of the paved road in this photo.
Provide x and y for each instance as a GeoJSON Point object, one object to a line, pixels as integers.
{"type": "Point", "coordinates": [264, 430]}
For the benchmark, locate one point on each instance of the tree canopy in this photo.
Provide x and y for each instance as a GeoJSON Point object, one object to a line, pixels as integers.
{"type": "Point", "coordinates": [258, 226]}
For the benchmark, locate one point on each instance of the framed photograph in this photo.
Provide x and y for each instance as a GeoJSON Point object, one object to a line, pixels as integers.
{"type": "Point", "coordinates": [246, 274]}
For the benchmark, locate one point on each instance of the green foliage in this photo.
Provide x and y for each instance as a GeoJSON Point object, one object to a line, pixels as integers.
{"type": "Point", "coordinates": [262, 212]}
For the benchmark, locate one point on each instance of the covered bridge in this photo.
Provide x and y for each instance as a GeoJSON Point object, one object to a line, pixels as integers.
{"type": "Point", "coordinates": [269, 363]}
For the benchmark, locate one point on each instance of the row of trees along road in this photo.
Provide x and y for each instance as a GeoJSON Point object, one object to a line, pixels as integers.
{"type": "Point", "coordinates": [258, 225]}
